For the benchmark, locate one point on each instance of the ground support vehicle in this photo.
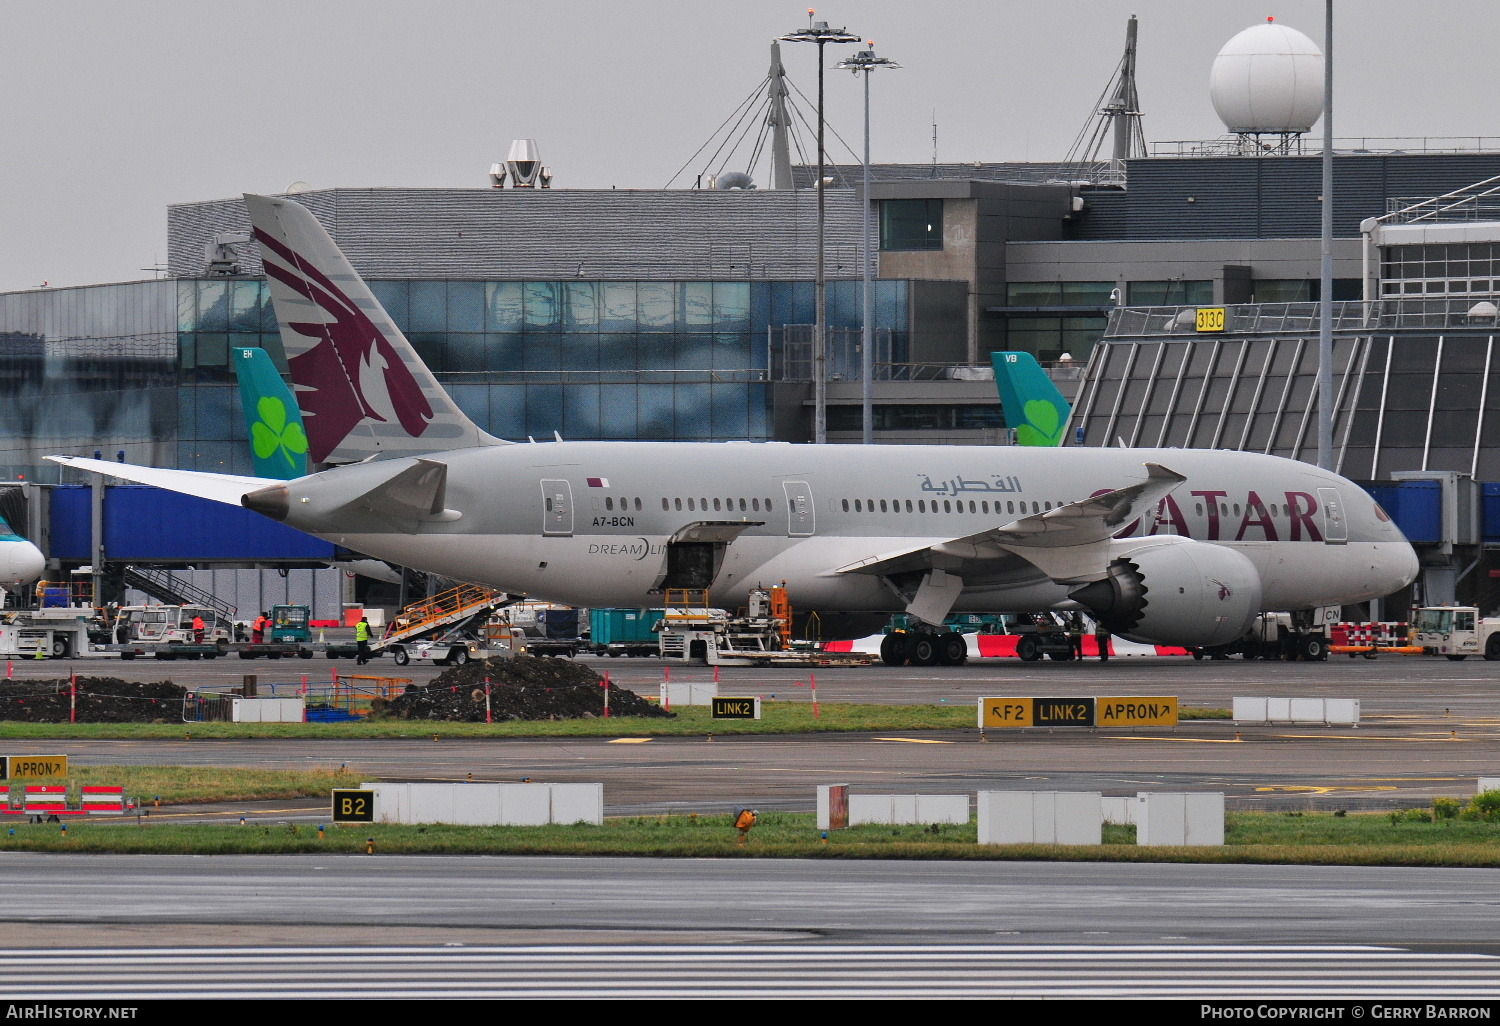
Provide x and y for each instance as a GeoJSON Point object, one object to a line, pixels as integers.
{"type": "Point", "coordinates": [549, 630]}
{"type": "Point", "coordinates": [1306, 634]}
{"type": "Point", "coordinates": [152, 627]}
{"type": "Point", "coordinates": [54, 632]}
{"type": "Point", "coordinates": [467, 607]}
{"type": "Point", "coordinates": [1456, 632]}
{"type": "Point", "coordinates": [291, 624]}
{"type": "Point", "coordinates": [698, 632]}
{"type": "Point", "coordinates": [189, 650]}
{"type": "Point", "coordinates": [272, 650]}
{"type": "Point", "coordinates": [554, 646]}
{"type": "Point", "coordinates": [459, 645]}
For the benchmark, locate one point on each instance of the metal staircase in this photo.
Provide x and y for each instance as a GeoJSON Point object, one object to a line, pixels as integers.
{"type": "Point", "coordinates": [447, 609]}
{"type": "Point", "coordinates": [161, 584]}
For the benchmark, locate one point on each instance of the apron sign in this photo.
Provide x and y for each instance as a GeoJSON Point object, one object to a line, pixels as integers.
{"type": "Point", "coordinates": [726, 708]}
{"type": "Point", "coordinates": [1077, 712]}
{"type": "Point", "coordinates": [23, 767]}
{"type": "Point", "coordinates": [1136, 712]}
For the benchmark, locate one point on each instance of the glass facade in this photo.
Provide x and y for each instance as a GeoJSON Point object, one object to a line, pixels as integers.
{"type": "Point", "coordinates": [911, 224]}
{"type": "Point", "coordinates": [1450, 269]}
{"type": "Point", "coordinates": [1048, 336]}
{"type": "Point", "coordinates": [1170, 293]}
{"type": "Point", "coordinates": [144, 367]}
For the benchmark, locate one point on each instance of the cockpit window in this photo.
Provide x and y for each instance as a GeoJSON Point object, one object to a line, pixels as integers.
{"type": "Point", "coordinates": [1381, 514]}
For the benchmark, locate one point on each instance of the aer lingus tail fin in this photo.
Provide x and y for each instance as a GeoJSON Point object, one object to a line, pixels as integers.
{"type": "Point", "coordinates": [1034, 409]}
{"type": "Point", "coordinates": [278, 440]}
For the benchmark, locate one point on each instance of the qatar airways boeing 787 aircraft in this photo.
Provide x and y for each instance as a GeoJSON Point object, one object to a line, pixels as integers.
{"type": "Point", "coordinates": [1166, 546]}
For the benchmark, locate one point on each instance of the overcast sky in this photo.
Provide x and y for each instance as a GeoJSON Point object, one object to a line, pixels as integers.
{"type": "Point", "coordinates": [114, 110]}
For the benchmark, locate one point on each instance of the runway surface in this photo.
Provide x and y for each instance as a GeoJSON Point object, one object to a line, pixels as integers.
{"type": "Point", "coordinates": [118, 927]}
{"type": "Point", "coordinates": [758, 972]}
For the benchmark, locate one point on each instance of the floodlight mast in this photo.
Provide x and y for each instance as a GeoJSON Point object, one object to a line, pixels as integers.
{"type": "Point", "coordinates": [821, 34]}
{"type": "Point", "coordinates": [866, 61]}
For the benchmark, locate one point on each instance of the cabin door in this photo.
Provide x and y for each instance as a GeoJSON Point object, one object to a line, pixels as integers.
{"type": "Point", "coordinates": [801, 521]}
{"type": "Point", "coordinates": [1335, 526]}
{"type": "Point", "coordinates": [557, 508]}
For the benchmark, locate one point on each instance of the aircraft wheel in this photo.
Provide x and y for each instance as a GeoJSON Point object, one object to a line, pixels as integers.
{"type": "Point", "coordinates": [924, 650]}
{"type": "Point", "coordinates": [1492, 648]}
{"type": "Point", "coordinates": [1250, 650]}
{"type": "Point", "coordinates": [1313, 648]}
{"type": "Point", "coordinates": [953, 650]}
{"type": "Point", "coordinates": [893, 649]}
{"type": "Point", "coordinates": [1028, 649]}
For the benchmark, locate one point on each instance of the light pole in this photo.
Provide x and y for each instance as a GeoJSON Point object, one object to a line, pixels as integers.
{"type": "Point", "coordinates": [866, 61]}
{"type": "Point", "coordinates": [820, 33]}
{"type": "Point", "coordinates": [1325, 288]}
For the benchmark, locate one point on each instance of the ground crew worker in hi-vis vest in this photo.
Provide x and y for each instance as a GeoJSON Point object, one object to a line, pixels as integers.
{"type": "Point", "coordinates": [198, 629]}
{"type": "Point", "coordinates": [362, 639]}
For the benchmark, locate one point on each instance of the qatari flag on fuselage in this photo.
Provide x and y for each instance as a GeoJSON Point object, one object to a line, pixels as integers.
{"type": "Point", "coordinates": [598, 482]}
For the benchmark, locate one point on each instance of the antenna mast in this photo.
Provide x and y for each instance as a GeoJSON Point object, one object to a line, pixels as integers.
{"type": "Point", "coordinates": [1118, 118]}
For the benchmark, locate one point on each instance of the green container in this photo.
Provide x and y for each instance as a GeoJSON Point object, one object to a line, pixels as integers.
{"type": "Point", "coordinates": [622, 626]}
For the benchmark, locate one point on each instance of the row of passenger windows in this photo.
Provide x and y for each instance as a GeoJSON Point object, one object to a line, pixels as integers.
{"type": "Point", "coordinates": [949, 506]}
{"type": "Point", "coordinates": [1011, 507]}
{"type": "Point", "coordinates": [755, 505]}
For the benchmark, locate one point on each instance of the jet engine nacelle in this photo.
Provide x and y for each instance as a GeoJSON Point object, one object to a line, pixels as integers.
{"type": "Point", "coordinates": [1175, 591]}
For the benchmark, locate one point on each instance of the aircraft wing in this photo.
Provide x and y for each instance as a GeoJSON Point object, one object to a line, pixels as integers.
{"type": "Point", "coordinates": [227, 488]}
{"type": "Point", "coordinates": [1068, 544]}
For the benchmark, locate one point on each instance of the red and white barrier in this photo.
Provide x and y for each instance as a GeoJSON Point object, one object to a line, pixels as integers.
{"type": "Point", "coordinates": [1003, 646]}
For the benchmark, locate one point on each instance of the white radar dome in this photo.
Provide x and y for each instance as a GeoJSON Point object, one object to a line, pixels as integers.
{"type": "Point", "coordinates": [1268, 79]}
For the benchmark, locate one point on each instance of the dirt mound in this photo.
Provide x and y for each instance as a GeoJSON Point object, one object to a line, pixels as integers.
{"type": "Point", "coordinates": [523, 688]}
{"type": "Point", "coordinates": [99, 700]}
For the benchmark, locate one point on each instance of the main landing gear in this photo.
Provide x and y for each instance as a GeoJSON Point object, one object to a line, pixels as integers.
{"type": "Point", "coordinates": [924, 648]}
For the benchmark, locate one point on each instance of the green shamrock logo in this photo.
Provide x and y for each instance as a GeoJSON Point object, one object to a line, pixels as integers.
{"type": "Point", "coordinates": [1043, 424]}
{"type": "Point", "coordinates": [272, 433]}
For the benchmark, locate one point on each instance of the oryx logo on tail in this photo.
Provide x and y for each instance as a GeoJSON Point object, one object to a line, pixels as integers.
{"type": "Point", "coordinates": [362, 389]}
{"type": "Point", "coordinates": [353, 372]}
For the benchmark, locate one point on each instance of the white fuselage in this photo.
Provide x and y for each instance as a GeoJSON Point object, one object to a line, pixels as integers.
{"type": "Point", "coordinates": [587, 523]}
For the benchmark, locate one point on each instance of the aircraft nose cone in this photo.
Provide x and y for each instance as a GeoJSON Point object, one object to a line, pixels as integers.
{"type": "Point", "coordinates": [20, 563]}
{"type": "Point", "coordinates": [1406, 566]}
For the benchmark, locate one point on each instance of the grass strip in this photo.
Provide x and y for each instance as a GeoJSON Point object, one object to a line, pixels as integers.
{"type": "Point", "coordinates": [176, 785]}
{"type": "Point", "coordinates": [779, 718]}
{"type": "Point", "coordinates": [1367, 839]}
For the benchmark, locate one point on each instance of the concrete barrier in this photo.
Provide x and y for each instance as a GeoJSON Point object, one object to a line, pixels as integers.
{"type": "Point", "coordinates": [1040, 817]}
{"type": "Point", "coordinates": [469, 804]}
{"type": "Point", "coordinates": [267, 710]}
{"type": "Point", "coordinates": [688, 694]}
{"type": "Point", "coordinates": [1119, 811]}
{"type": "Point", "coordinates": [908, 809]}
{"type": "Point", "coordinates": [1195, 818]}
{"type": "Point", "coordinates": [1343, 712]}
{"type": "Point", "coordinates": [1488, 784]}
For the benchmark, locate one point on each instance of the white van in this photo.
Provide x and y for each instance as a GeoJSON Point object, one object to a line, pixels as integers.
{"type": "Point", "coordinates": [166, 625]}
